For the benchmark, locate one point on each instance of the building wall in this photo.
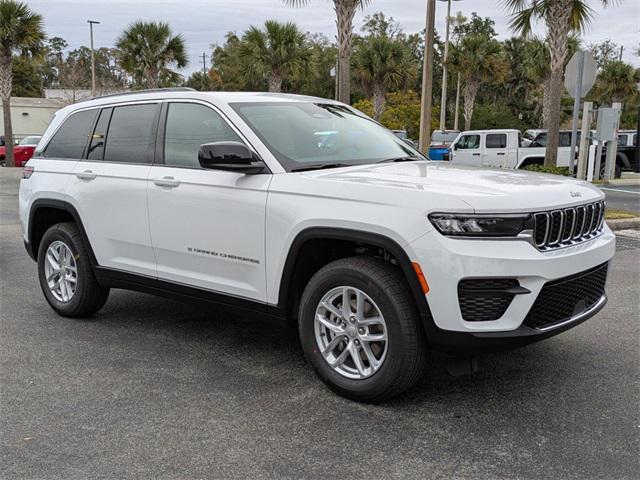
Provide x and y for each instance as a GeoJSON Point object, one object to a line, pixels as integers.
{"type": "Point", "coordinates": [30, 116]}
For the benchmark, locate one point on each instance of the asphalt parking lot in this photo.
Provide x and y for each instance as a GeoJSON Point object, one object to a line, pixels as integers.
{"type": "Point", "coordinates": [623, 197]}
{"type": "Point", "coordinates": [152, 388]}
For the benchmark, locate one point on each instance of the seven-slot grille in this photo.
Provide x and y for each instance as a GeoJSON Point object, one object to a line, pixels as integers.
{"type": "Point", "coordinates": [563, 227]}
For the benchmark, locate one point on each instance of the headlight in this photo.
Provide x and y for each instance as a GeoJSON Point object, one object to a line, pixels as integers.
{"type": "Point", "coordinates": [464, 225]}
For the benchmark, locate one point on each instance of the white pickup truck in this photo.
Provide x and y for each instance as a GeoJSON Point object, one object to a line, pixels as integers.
{"type": "Point", "coordinates": [503, 149]}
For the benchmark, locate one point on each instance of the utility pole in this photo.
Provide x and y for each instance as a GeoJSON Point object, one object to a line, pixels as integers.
{"type": "Point", "coordinates": [621, 50]}
{"type": "Point", "coordinates": [93, 58]}
{"type": "Point", "coordinates": [427, 79]}
{"type": "Point", "coordinates": [204, 71]}
{"type": "Point", "coordinates": [443, 95]}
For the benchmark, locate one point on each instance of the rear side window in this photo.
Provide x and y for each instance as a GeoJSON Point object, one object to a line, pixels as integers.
{"type": "Point", "coordinates": [469, 142]}
{"type": "Point", "coordinates": [99, 137]}
{"type": "Point", "coordinates": [188, 126]}
{"type": "Point", "coordinates": [131, 134]}
{"type": "Point", "coordinates": [496, 140]}
{"type": "Point", "coordinates": [71, 138]}
{"type": "Point", "coordinates": [623, 139]}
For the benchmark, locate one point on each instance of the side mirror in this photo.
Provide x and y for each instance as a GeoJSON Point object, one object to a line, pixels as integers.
{"type": "Point", "coordinates": [229, 156]}
{"type": "Point", "coordinates": [455, 146]}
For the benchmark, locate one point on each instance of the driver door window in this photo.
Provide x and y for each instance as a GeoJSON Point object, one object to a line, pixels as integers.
{"type": "Point", "coordinates": [188, 126]}
{"type": "Point", "coordinates": [469, 142]}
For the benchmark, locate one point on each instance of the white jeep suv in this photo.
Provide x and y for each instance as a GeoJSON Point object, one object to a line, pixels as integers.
{"type": "Point", "coordinates": [304, 208]}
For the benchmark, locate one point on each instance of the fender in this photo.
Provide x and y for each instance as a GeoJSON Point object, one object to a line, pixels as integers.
{"type": "Point", "coordinates": [356, 236]}
{"type": "Point", "coordinates": [529, 160]}
{"type": "Point", "coordinates": [59, 205]}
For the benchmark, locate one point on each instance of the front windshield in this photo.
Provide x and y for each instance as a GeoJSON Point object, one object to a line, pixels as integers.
{"type": "Point", "coordinates": [29, 141]}
{"type": "Point", "coordinates": [309, 135]}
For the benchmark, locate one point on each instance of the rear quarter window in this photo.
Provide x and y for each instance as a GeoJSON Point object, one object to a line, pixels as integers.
{"type": "Point", "coordinates": [72, 136]}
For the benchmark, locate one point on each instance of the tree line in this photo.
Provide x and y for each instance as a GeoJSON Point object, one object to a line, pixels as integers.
{"type": "Point", "coordinates": [503, 84]}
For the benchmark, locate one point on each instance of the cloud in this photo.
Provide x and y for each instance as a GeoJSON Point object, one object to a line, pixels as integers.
{"type": "Point", "coordinates": [205, 22]}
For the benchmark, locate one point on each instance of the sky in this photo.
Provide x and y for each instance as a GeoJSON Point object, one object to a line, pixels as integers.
{"type": "Point", "coordinates": [205, 22]}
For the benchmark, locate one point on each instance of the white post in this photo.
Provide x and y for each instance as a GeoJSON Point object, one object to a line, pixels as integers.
{"type": "Point", "coordinates": [612, 147]}
{"type": "Point", "coordinates": [592, 161]}
{"type": "Point", "coordinates": [584, 140]}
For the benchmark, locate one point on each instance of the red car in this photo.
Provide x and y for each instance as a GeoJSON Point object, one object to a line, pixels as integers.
{"type": "Point", "coordinates": [22, 152]}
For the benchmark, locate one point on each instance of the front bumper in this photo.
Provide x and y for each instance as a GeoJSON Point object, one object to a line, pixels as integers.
{"type": "Point", "coordinates": [446, 261]}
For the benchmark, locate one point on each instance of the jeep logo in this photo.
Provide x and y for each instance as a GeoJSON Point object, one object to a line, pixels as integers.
{"type": "Point", "coordinates": [575, 194]}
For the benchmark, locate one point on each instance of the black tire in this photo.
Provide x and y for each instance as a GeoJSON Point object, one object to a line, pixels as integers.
{"type": "Point", "coordinates": [407, 352]}
{"type": "Point", "coordinates": [617, 172]}
{"type": "Point", "coordinates": [89, 296]}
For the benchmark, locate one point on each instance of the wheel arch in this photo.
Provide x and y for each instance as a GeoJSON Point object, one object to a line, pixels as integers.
{"type": "Point", "coordinates": [47, 212]}
{"type": "Point", "coordinates": [534, 160]}
{"type": "Point", "coordinates": [286, 287]}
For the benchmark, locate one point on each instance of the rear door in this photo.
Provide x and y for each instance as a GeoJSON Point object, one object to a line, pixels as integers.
{"type": "Point", "coordinates": [495, 153]}
{"type": "Point", "coordinates": [110, 186]}
{"type": "Point", "coordinates": [207, 226]}
{"type": "Point", "coordinates": [467, 150]}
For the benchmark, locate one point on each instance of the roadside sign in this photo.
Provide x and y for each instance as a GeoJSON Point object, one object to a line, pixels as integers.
{"type": "Point", "coordinates": [589, 70]}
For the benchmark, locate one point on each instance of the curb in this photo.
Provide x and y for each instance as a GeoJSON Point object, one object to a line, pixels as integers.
{"type": "Point", "coordinates": [621, 181]}
{"type": "Point", "coordinates": [624, 223]}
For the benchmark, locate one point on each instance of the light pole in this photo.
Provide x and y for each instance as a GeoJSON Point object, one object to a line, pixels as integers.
{"type": "Point", "coordinates": [427, 79]}
{"type": "Point", "coordinates": [93, 59]}
{"type": "Point", "coordinates": [443, 96]}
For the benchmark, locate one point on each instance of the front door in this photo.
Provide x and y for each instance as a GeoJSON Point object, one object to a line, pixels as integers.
{"type": "Point", "coordinates": [207, 226]}
{"type": "Point", "coordinates": [467, 150]}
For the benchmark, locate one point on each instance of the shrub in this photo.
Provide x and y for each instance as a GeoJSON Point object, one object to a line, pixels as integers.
{"type": "Point", "coordinates": [542, 169]}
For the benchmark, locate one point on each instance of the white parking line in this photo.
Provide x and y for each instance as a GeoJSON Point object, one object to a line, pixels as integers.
{"type": "Point", "coordinates": [616, 190]}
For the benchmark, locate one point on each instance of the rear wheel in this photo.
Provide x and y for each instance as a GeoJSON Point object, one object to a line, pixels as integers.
{"type": "Point", "coordinates": [617, 172]}
{"type": "Point", "coordinates": [65, 273]}
{"type": "Point", "coordinates": [359, 329]}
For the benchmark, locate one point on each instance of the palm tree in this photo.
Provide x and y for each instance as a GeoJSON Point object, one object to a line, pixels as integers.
{"type": "Point", "coordinates": [479, 60]}
{"type": "Point", "coordinates": [148, 51]}
{"type": "Point", "coordinates": [616, 82]}
{"type": "Point", "coordinates": [562, 17]}
{"type": "Point", "coordinates": [537, 66]}
{"type": "Point", "coordinates": [345, 11]}
{"type": "Point", "coordinates": [21, 30]}
{"type": "Point", "coordinates": [277, 53]}
{"type": "Point", "coordinates": [382, 64]}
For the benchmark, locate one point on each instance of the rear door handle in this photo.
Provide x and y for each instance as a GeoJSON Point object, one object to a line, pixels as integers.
{"type": "Point", "coordinates": [475, 154]}
{"type": "Point", "coordinates": [86, 175]}
{"type": "Point", "coordinates": [501, 153]}
{"type": "Point", "coordinates": [168, 182]}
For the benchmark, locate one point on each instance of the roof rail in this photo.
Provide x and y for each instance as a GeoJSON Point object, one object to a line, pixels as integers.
{"type": "Point", "coordinates": [150, 90]}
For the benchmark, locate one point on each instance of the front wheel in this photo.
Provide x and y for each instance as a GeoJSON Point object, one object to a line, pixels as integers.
{"type": "Point", "coordinates": [359, 329]}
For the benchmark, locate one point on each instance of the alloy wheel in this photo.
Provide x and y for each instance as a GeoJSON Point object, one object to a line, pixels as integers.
{"type": "Point", "coordinates": [61, 271]}
{"type": "Point", "coordinates": [351, 332]}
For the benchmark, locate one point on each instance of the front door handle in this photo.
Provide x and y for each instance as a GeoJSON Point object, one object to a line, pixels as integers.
{"type": "Point", "coordinates": [501, 153]}
{"type": "Point", "coordinates": [475, 154]}
{"type": "Point", "coordinates": [86, 175]}
{"type": "Point", "coordinates": [168, 182]}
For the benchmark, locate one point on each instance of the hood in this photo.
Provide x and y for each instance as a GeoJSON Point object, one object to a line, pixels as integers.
{"type": "Point", "coordinates": [485, 190]}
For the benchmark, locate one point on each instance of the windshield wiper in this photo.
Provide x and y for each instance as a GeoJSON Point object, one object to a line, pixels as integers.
{"type": "Point", "coordinates": [400, 159]}
{"type": "Point", "coordinates": [320, 166]}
